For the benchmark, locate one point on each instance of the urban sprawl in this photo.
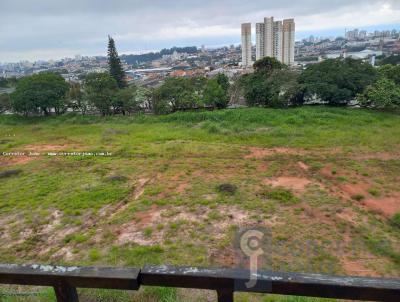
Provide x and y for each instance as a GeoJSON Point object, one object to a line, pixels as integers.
{"type": "Point", "coordinates": [273, 38]}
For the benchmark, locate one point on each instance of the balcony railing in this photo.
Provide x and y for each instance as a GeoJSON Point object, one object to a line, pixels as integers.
{"type": "Point", "coordinates": [65, 280]}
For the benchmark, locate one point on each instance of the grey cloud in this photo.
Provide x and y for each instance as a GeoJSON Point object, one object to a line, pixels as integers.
{"type": "Point", "coordinates": [27, 25]}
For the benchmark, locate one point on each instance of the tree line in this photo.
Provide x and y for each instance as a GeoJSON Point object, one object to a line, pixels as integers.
{"type": "Point", "coordinates": [335, 82]}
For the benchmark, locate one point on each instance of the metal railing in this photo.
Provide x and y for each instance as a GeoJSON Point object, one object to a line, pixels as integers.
{"type": "Point", "coordinates": [65, 280]}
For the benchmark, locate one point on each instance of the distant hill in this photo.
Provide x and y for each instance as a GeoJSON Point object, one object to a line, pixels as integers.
{"type": "Point", "coordinates": [148, 57]}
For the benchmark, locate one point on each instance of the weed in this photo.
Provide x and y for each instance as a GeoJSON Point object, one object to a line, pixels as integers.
{"type": "Point", "coordinates": [147, 232]}
{"type": "Point", "coordinates": [227, 188]}
{"type": "Point", "coordinates": [358, 197]}
{"type": "Point", "coordinates": [374, 192]}
{"type": "Point", "coordinates": [10, 173]}
{"type": "Point", "coordinates": [396, 220]}
{"type": "Point", "coordinates": [280, 194]}
{"type": "Point", "coordinates": [94, 254]}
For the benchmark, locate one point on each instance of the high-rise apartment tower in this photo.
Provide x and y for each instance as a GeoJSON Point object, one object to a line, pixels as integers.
{"type": "Point", "coordinates": [288, 41]}
{"type": "Point", "coordinates": [246, 45]}
{"type": "Point", "coordinates": [276, 39]}
{"type": "Point", "coordinates": [260, 31]}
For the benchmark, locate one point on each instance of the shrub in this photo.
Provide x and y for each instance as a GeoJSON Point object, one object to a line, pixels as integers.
{"type": "Point", "coordinates": [227, 188]}
{"type": "Point", "coordinates": [9, 173]}
{"type": "Point", "coordinates": [280, 194]}
{"type": "Point", "coordinates": [94, 254]}
{"type": "Point", "coordinates": [120, 178]}
{"type": "Point", "coordinates": [396, 220]}
{"type": "Point", "coordinates": [358, 197]}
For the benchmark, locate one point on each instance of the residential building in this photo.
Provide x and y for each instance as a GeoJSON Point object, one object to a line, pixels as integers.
{"type": "Point", "coordinates": [260, 32]}
{"type": "Point", "coordinates": [246, 45]}
{"type": "Point", "coordinates": [269, 37]}
{"type": "Point", "coordinates": [289, 32]}
{"type": "Point", "coordinates": [276, 39]}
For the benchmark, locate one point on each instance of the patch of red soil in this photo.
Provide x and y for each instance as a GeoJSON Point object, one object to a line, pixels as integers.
{"type": "Point", "coordinates": [147, 217]}
{"type": "Point", "coordinates": [15, 160]}
{"type": "Point", "coordinates": [327, 172]}
{"type": "Point", "coordinates": [181, 188]}
{"type": "Point", "coordinates": [378, 155]}
{"type": "Point", "coordinates": [224, 258]}
{"type": "Point", "coordinates": [294, 183]}
{"type": "Point", "coordinates": [259, 153]}
{"type": "Point", "coordinates": [263, 167]}
{"type": "Point", "coordinates": [388, 206]}
{"type": "Point", "coordinates": [303, 166]}
{"type": "Point", "coordinates": [356, 268]}
{"type": "Point", "coordinates": [315, 214]}
{"type": "Point", "coordinates": [139, 190]}
{"type": "Point", "coordinates": [348, 215]}
{"type": "Point", "coordinates": [44, 148]}
{"type": "Point", "coordinates": [177, 176]}
{"type": "Point", "coordinates": [350, 189]}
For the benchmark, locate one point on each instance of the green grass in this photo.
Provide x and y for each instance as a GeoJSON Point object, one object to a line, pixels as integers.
{"type": "Point", "coordinates": [396, 220]}
{"type": "Point", "coordinates": [280, 194]}
{"type": "Point", "coordinates": [183, 159]}
{"type": "Point", "coordinates": [299, 127]}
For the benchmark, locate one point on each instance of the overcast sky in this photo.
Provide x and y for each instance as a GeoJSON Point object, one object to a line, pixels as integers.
{"type": "Point", "coordinates": [51, 29]}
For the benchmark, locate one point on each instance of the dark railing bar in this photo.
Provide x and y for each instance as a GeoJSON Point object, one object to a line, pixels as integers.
{"type": "Point", "coordinates": [65, 280]}
{"type": "Point", "coordinates": [311, 285]}
{"type": "Point", "coordinates": [84, 277]}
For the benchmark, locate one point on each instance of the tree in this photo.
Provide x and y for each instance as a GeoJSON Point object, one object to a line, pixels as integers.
{"type": "Point", "coordinates": [391, 72]}
{"type": "Point", "coordinates": [41, 92]}
{"type": "Point", "coordinates": [114, 64]}
{"type": "Point", "coordinates": [337, 81]}
{"type": "Point", "coordinates": [5, 102]}
{"type": "Point", "coordinates": [271, 85]}
{"type": "Point", "coordinates": [284, 89]}
{"type": "Point", "coordinates": [255, 90]}
{"type": "Point", "coordinates": [177, 93]}
{"type": "Point", "coordinates": [223, 81]}
{"type": "Point", "coordinates": [3, 82]}
{"type": "Point", "coordinates": [76, 98]}
{"type": "Point", "coordinates": [384, 94]}
{"type": "Point", "coordinates": [267, 64]}
{"type": "Point", "coordinates": [392, 60]}
{"type": "Point", "coordinates": [125, 101]}
{"type": "Point", "coordinates": [215, 95]}
{"type": "Point", "coordinates": [100, 89]}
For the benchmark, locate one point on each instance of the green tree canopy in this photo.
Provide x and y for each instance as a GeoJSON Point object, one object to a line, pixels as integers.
{"type": "Point", "coordinates": [337, 81]}
{"type": "Point", "coordinates": [267, 65]}
{"type": "Point", "coordinates": [177, 93]}
{"type": "Point", "coordinates": [125, 101]}
{"type": "Point", "coordinates": [5, 102]}
{"type": "Point", "coordinates": [223, 81]}
{"type": "Point", "coordinates": [114, 64]}
{"type": "Point", "coordinates": [100, 89]}
{"type": "Point", "coordinates": [215, 95]}
{"type": "Point", "coordinates": [391, 72]}
{"type": "Point", "coordinates": [75, 98]}
{"type": "Point", "coordinates": [271, 84]}
{"type": "Point", "coordinates": [384, 94]}
{"type": "Point", "coordinates": [44, 91]}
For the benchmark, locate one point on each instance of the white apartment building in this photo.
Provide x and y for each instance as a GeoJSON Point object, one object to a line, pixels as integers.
{"type": "Point", "coordinates": [289, 32]}
{"type": "Point", "coordinates": [276, 39]}
{"type": "Point", "coordinates": [260, 30]}
{"type": "Point", "coordinates": [246, 45]}
{"type": "Point", "coordinates": [269, 37]}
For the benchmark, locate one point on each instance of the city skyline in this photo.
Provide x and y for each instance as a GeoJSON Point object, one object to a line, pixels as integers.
{"type": "Point", "coordinates": [54, 29]}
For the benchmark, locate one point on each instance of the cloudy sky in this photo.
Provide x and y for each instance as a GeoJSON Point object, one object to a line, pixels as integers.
{"type": "Point", "coordinates": [51, 29]}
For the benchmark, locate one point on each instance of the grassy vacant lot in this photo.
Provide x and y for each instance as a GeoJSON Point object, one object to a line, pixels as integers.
{"type": "Point", "coordinates": [325, 178]}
